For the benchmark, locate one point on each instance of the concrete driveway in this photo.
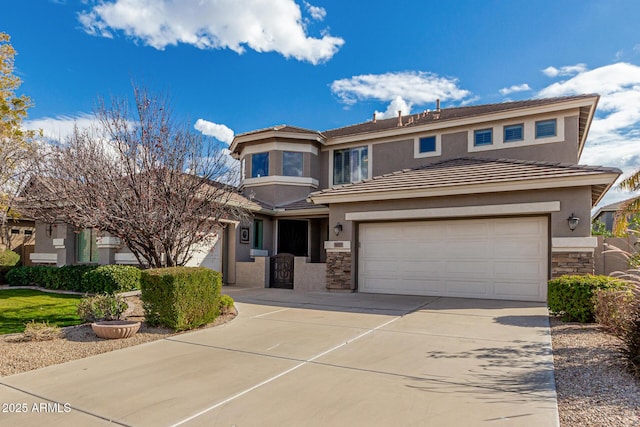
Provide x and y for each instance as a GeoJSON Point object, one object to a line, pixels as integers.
{"type": "Point", "coordinates": [317, 359]}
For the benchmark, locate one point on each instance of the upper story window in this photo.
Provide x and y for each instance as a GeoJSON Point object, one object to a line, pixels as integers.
{"type": "Point", "coordinates": [427, 144]}
{"type": "Point", "coordinates": [86, 246]}
{"type": "Point", "coordinates": [292, 163]}
{"type": "Point", "coordinates": [514, 133]}
{"type": "Point", "coordinates": [483, 137]}
{"type": "Point", "coordinates": [546, 128]}
{"type": "Point", "coordinates": [259, 165]}
{"type": "Point", "coordinates": [350, 165]}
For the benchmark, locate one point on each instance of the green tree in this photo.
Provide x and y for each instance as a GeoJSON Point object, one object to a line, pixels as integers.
{"type": "Point", "coordinates": [628, 216]}
{"type": "Point", "coordinates": [17, 150]}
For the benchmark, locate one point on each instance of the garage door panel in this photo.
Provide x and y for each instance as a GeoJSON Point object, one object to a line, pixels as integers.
{"type": "Point", "coordinates": [504, 258]}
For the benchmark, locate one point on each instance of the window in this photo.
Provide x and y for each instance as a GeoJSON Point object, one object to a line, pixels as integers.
{"type": "Point", "coordinates": [86, 246]}
{"type": "Point", "coordinates": [15, 231]}
{"type": "Point", "coordinates": [350, 165]}
{"type": "Point", "coordinates": [257, 233]}
{"type": "Point", "coordinates": [513, 133]}
{"type": "Point", "coordinates": [483, 137]}
{"type": "Point", "coordinates": [545, 128]}
{"type": "Point", "coordinates": [427, 144]}
{"type": "Point", "coordinates": [291, 163]}
{"type": "Point", "coordinates": [259, 165]}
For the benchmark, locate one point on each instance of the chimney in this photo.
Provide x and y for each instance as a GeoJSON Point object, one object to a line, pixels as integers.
{"type": "Point", "coordinates": [438, 104]}
{"type": "Point", "coordinates": [374, 117]}
{"type": "Point", "coordinates": [399, 117]}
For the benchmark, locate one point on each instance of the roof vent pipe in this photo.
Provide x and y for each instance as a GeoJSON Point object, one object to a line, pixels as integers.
{"type": "Point", "coordinates": [374, 117]}
{"type": "Point", "coordinates": [399, 117]}
{"type": "Point", "coordinates": [438, 104]}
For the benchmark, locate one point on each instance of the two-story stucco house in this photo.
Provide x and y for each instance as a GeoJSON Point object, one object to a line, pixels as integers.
{"type": "Point", "coordinates": [485, 201]}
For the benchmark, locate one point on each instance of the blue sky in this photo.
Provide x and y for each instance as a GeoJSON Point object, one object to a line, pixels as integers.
{"type": "Point", "coordinates": [231, 66]}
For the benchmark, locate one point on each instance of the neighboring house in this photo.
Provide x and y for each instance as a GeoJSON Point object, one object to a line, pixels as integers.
{"type": "Point", "coordinates": [484, 201]}
{"type": "Point", "coordinates": [18, 235]}
{"type": "Point", "coordinates": [606, 214]}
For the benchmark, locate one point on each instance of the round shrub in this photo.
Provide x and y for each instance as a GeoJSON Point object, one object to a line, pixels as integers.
{"type": "Point", "coordinates": [8, 258]}
{"type": "Point", "coordinates": [102, 307]}
{"type": "Point", "coordinates": [111, 279]}
{"type": "Point", "coordinates": [615, 309]}
{"type": "Point", "coordinates": [572, 297]}
{"type": "Point", "coordinates": [226, 304]}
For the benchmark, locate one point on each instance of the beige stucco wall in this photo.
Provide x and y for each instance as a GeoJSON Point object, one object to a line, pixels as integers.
{"type": "Point", "coordinates": [575, 200]}
{"type": "Point", "coordinates": [607, 260]}
{"type": "Point", "coordinates": [253, 274]}
{"type": "Point", "coordinates": [309, 276]}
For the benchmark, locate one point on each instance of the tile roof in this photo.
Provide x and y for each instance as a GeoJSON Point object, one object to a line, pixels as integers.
{"type": "Point", "coordinates": [300, 205]}
{"type": "Point", "coordinates": [281, 128]}
{"type": "Point", "coordinates": [466, 171]}
{"type": "Point", "coordinates": [446, 114]}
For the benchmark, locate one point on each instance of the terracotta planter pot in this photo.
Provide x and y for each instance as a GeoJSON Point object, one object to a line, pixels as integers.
{"type": "Point", "coordinates": [115, 329]}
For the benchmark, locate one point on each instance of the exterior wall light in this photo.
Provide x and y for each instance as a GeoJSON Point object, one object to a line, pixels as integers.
{"type": "Point", "coordinates": [338, 228]}
{"type": "Point", "coordinates": [573, 221]}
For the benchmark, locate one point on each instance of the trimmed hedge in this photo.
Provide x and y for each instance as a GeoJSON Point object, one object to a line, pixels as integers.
{"type": "Point", "coordinates": [572, 297]}
{"type": "Point", "coordinates": [181, 297]}
{"type": "Point", "coordinates": [111, 279]}
{"type": "Point", "coordinates": [107, 279]}
{"type": "Point", "coordinates": [8, 261]}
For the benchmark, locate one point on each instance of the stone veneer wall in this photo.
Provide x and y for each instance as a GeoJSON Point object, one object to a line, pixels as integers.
{"type": "Point", "coordinates": [339, 270]}
{"type": "Point", "coordinates": [572, 263]}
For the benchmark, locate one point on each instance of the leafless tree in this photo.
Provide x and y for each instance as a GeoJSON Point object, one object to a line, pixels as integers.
{"type": "Point", "coordinates": [140, 175]}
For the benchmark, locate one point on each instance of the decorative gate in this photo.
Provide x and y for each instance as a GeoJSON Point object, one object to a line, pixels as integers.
{"type": "Point", "coordinates": [281, 271]}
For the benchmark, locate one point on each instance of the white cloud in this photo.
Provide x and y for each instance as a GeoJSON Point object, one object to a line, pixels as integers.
{"type": "Point", "coordinates": [219, 132]}
{"type": "Point", "coordinates": [261, 25]}
{"type": "Point", "coordinates": [316, 12]}
{"type": "Point", "coordinates": [60, 127]}
{"type": "Point", "coordinates": [407, 88]}
{"type": "Point", "coordinates": [568, 70]}
{"type": "Point", "coordinates": [614, 136]}
{"type": "Point", "coordinates": [515, 88]}
{"type": "Point", "coordinates": [398, 104]}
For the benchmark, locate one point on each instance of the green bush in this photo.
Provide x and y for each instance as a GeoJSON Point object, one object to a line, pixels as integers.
{"type": "Point", "coordinates": [226, 304]}
{"type": "Point", "coordinates": [8, 258]}
{"type": "Point", "coordinates": [181, 297]}
{"type": "Point", "coordinates": [102, 307]}
{"type": "Point", "coordinates": [111, 279]}
{"type": "Point", "coordinates": [572, 296]}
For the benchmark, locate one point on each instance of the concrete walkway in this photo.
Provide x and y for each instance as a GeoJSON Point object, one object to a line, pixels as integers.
{"type": "Point", "coordinates": [292, 359]}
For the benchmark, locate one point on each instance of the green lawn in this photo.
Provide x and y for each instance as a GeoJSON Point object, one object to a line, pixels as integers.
{"type": "Point", "coordinates": [20, 306]}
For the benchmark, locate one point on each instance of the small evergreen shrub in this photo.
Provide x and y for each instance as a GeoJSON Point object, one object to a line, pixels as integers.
{"type": "Point", "coordinates": [8, 258]}
{"type": "Point", "coordinates": [102, 307]}
{"type": "Point", "coordinates": [41, 331]}
{"type": "Point", "coordinates": [614, 309]}
{"type": "Point", "coordinates": [572, 296]}
{"type": "Point", "coordinates": [226, 304]}
{"type": "Point", "coordinates": [181, 297]}
{"type": "Point", "coordinates": [111, 279]}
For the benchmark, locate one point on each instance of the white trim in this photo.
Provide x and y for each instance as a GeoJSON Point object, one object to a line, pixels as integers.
{"type": "Point", "coordinates": [525, 184]}
{"type": "Point", "coordinates": [258, 253]}
{"type": "Point", "coordinates": [437, 125]}
{"type": "Point", "coordinates": [125, 258]}
{"type": "Point", "coordinates": [416, 146]}
{"type": "Point", "coordinates": [574, 244]}
{"type": "Point", "coordinates": [108, 242]}
{"type": "Point", "coordinates": [283, 180]}
{"type": "Point", "coordinates": [457, 212]}
{"type": "Point", "coordinates": [58, 243]}
{"type": "Point", "coordinates": [43, 258]}
{"type": "Point", "coordinates": [279, 146]}
{"type": "Point", "coordinates": [337, 245]}
{"type": "Point", "coordinates": [529, 131]}
{"type": "Point", "coordinates": [369, 160]}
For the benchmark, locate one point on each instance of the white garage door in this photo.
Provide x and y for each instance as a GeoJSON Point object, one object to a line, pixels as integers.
{"type": "Point", "coordinates": [499, 258]}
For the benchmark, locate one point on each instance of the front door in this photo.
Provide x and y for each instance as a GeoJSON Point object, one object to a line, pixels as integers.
{"type": "Point", "coordinates": [293, 237]}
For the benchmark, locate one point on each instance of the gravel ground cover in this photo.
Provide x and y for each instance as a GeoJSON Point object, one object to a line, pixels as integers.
{"type": "Point", "coordinates": [592, 385]}
{"type": "Point", "coordinates": [593, 388]}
